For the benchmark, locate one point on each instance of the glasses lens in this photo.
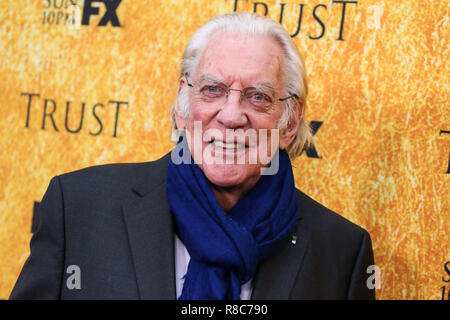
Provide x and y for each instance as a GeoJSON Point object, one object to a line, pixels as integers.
{"type": "Point", "coordinates": [213, 92]}
{"type": "Point", "coordinates": [258, 98]}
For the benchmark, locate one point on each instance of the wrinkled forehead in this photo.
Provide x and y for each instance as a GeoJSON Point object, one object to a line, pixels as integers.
{"type": "Point", "coordinates": [244, 59]}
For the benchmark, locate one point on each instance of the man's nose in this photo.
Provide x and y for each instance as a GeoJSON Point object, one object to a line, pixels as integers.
{"type": "Point", "coordinates": [232, 114]}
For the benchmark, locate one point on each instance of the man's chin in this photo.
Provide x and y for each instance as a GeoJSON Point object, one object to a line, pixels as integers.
{"type": "Point", "coordinates": [227, 175]}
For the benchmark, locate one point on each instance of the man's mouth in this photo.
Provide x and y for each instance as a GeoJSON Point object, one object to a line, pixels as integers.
{"type": "Point", "coordinates": [228, 145]}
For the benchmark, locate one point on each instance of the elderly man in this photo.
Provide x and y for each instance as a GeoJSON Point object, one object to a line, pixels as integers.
{"type": "Point", "coordinates": [219, 217]}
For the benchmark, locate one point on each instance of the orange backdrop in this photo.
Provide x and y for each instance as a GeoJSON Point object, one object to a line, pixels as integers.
{"type": "Point", "coordinates": [75, 93]}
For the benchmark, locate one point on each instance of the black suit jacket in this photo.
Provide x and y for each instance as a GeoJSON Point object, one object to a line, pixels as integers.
{"type": "Point", "coordinates": [114, 223]}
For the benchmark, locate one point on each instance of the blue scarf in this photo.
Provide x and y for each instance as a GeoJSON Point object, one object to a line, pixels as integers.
{"type": "Point", "coordinates": [226, 249]}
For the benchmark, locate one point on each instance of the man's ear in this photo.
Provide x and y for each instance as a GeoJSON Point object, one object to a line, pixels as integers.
{"type": "Point", "coordinates": [181, 84]}
{"type": "Point", "coordinates": [288, 134]}
{"type": "Point", "coordinates": [179, 119]}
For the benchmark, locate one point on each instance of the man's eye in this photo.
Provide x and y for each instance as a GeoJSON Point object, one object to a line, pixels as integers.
{"type": "Point", "coordinates": [259, 98]}
{"type": "Point", "coordinates": [212, 91]}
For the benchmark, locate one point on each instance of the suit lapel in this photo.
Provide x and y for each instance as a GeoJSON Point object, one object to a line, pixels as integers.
{"type": "Point", "coordinates": [276, 276]}
{"type": "Point", "coordinates": [150, 233]}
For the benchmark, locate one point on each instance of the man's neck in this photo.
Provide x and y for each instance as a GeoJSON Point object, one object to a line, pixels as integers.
{"type": "Point", "coordinates": [228, 197]}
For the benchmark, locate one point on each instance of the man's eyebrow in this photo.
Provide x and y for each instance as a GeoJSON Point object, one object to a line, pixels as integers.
{"type": "Point", "coordinates": [266, 85]}
{"type": "Point", "coordinates": [210, 78]}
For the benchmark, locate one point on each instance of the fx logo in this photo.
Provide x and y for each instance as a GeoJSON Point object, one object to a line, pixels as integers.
{"type": "Point", "coordinates": [311, 152]}
{"type": "Point", "coordinates": [109, 16]}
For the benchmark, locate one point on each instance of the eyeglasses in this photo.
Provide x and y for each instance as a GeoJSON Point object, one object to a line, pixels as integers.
{"type": "Point", "coordinates": [214, 91]}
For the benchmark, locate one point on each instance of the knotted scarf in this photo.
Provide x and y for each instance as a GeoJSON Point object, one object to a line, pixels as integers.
{"type": "Point", "coordinates": [225, 249]}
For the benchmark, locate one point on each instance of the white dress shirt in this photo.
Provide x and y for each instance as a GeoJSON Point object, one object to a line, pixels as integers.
{"type": "Point", "coordinates": [182, 259]}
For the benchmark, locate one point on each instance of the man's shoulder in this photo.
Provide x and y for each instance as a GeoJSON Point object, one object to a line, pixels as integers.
{"type": "Point", "coordinates": [325, 222]}
{"type": "Point", "coordinates": [117, 175]}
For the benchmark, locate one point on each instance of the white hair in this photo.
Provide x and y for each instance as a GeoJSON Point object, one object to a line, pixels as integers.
{"type": "Point", "coordinates": [249, 24]}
